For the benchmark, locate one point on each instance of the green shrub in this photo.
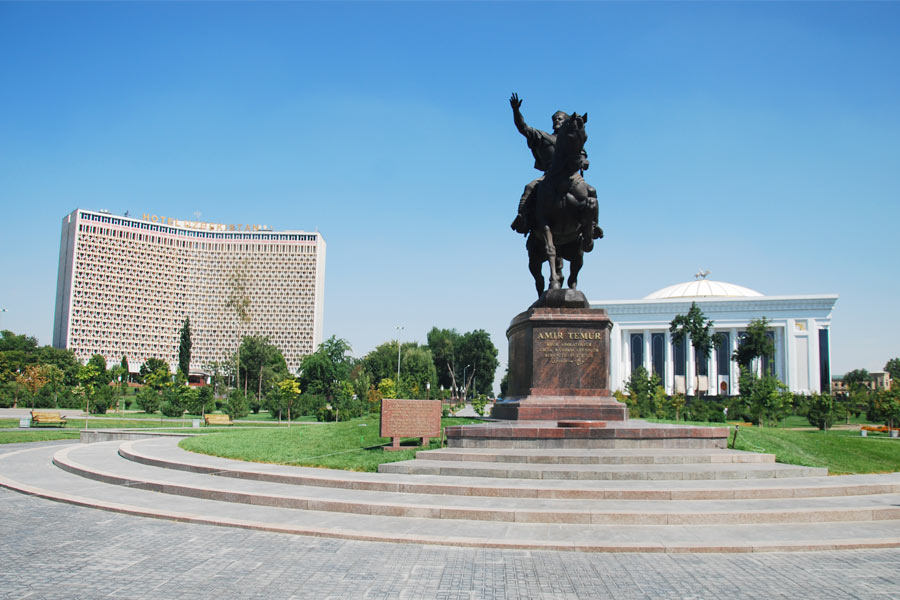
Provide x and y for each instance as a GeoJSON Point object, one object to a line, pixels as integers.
{"type": "Point", "coordinates": [237, 406]}
{"type": "Point", "coordinates": [148, 399]}
{"type": "Point", "coordinates": [821, 411]}
{"type": "Point", "coordinates": [479, 402]}
{"type": "Point", "coordinates": [200, 400]}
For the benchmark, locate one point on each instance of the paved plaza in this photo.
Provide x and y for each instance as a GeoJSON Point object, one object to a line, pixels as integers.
{"type": "Point", "coordinates": [54, 550]}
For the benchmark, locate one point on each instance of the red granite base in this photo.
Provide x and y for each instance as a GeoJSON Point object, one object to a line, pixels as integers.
{"type": "Point", "coordinates": [632, 433]}
{"type": "Point", "coordinates": [559, 408]}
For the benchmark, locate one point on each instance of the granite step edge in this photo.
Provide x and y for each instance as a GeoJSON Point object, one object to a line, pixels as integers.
{"type": "Point", "coordinates": [674, 539]}
{"type": "Point", "coordinates": [447, 510]}
{"type": "Point", "coordinates": [178, 459]}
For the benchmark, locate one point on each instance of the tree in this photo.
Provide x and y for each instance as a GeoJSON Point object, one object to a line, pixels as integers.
{"type": "Point", "coordinates": [767, 399]}
{"type": "Point", "coordinates": [443, 343]}
{"type": "Point", "coordinates": [381, 362]}
{"type": "Point", "coordinates": [87, 381]}
{"type": "Point", "coordinates": [155, 373]}
{"type": "Point", "coordinates": [893, 367]}
{"type": "Point", "coordinates": [461, 360]}
{"type": "Point", "coordinates": [184, 347]}
{"type": "Point", "coordinates": [288, 391]}
{"type": "Point", "coordinates": [856, 379]}
{"type": "Point", "coordinates": [698, 328]}
{"type": "Point", "coordinates": [325, 370]}
{"type": "Point", "coordinates": [885, 407]}
{"type": "Point", "coordinates": [120, 376]}
{"type": "Point", "coordinates": [755, 343]}
{"type": "Point", "coordinates": [151, 366]}
{"type": "Point", "coordinates": [238, 301]}
{"type": "Point", "coordinates": [34, 378]}
{"type": "Point", "coordinates": [261, 365]}
{"type": "Point", "coordinates": [821, 411]}
{"type": "Point", "coordinates": [416, 371]}
{"type": "Point", "coordinates": [640, 388]}
{"type": "Point", "coordinates": [64, 360]}
{"type": "Point", "coordinates": [99, 361]}
{"type": "Point", "coordinates": [479, 351]}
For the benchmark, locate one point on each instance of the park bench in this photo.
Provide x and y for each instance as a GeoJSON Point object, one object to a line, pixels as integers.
{"type": "Point", "coordinates": [218, 420]}
{"type": "Point", "coordinates": [47, 417]}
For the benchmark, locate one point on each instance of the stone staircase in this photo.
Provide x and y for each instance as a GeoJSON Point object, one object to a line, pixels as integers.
{"type": "Point", "coordinates": [588, 499]}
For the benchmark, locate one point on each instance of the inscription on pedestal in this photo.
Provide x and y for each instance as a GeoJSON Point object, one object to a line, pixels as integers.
{"type": "Point", "coordinates": [565, 346]}
{"type": "Point", "coordinates": [559, 352]}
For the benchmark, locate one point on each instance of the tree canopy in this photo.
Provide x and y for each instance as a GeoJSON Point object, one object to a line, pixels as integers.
{"type": "Point", "coordinates": [262, 364]}
{"type": "Point", "coordinates": [755, 343]}
{"type": "Point", "coordinates": [856, 379]}
{"type": "Point", "coordinates": [698, 328]}
{"type": "Point", "coordinates": [893, 367]}
{"type": "Point", "coordinates": [463, 361]}
{"type": "Point", "coordinates": [184, 347]}
{"type": "Point", "coordinates": [326, 370]}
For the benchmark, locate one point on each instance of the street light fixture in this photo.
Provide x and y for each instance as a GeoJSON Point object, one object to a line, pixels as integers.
{"type": "Point", "coordinates": [465, 387]}
{"type": "Point", "coordinates": [397, 387]}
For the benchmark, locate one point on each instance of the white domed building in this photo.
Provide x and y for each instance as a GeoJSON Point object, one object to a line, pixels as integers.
{"type": "Point", "coordinates": [799, 326]}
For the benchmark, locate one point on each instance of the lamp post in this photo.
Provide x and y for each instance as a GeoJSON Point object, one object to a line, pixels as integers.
{"type": "Point", "coordinates": [2, 310]}
{"type": "Point", "coordinates": [428, 390]}
{"type": "Point", "coordinates": [397, 387]}
{"type": "Point", "coordinates": [465, 387]}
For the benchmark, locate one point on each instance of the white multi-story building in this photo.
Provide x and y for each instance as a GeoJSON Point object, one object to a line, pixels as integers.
{"type": "Point", "coordinates": [798, 325]}
{"type": "Point", "coordinates": [125, 286]}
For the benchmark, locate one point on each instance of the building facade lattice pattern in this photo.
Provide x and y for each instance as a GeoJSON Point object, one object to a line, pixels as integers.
{"type": "Point", "coordinates": [126, 285]}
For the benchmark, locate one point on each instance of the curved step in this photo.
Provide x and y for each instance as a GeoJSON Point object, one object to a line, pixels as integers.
{"type": "Point", "coordinates": [166, 454]}
{"type": "Point", "coordinates": [601, 471]}
{"type": "Point", "coordinates": [31, 471]}
{"type": "Point", "coordinates": [623, 456]}
{"type": "Point", "coordinates": [100, 462]}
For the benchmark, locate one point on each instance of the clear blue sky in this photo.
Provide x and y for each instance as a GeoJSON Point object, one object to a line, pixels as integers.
{"type": "Point", "coordinates": [757, 140]}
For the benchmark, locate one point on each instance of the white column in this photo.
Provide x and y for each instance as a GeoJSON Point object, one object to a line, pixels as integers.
{"type": "Point", "coordinates": [733, 370]}
{"type": "Point", "coordinates": [616, 378]}
{"type": "Point", "coordinates": [790, 369]}
{"type": "Point", "coordinates": [689, 383]}
{"type": "Point", "coordinates": [668, 366]}
{"type": "Point", "coordinates": [712, 373]}
{"type": "Point", "coordinates": [648, 358]}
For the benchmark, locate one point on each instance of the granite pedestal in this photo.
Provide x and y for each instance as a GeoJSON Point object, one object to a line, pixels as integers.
{"type": "Point", "coordinates": [559, 362]}
{"type": "Point", "coordinates": [558, 395]}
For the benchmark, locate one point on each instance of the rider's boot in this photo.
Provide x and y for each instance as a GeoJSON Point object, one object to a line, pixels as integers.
{"type": "Point", "coordinates": [520, 224]}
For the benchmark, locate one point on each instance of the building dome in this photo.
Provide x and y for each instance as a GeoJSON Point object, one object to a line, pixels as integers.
{"type": "Point", "coordinates": [702, 288]}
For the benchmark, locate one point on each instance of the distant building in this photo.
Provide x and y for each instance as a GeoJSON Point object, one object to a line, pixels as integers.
{"type": "Point", "coordinates": [125, 286]}
{"type": "Point", "coordinates": [798, 325]}
{"type": "Point", "coordinates": [878, 380]}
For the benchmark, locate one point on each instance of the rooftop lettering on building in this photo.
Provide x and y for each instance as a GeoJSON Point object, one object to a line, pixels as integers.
{"type": "Point", "coordinates": [202, 225]}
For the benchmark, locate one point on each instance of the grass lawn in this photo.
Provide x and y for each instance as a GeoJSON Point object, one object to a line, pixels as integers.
{"type": "Point", "coordinates": [37, 435]}
{"type": "Point", "coordinates": [351, 445]}
{"type": "Point", "coordinates": [841, 451]}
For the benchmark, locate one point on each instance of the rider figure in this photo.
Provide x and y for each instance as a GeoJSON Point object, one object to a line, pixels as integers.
{"type": "Point", "coordinates": [542, 145]}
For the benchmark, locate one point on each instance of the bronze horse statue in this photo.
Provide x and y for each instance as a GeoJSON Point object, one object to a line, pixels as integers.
{"type": "Point", "coordinates": [562, 224]}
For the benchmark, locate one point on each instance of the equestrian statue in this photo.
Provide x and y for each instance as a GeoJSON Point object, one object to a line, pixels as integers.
{"type": "Point", "coordinates": [557, 211]}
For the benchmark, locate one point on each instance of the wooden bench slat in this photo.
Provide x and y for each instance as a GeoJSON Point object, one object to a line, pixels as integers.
{"type": "Point", "coordinates": [44, 417]}
{"type": "Point", "coordinates": [218, 420]}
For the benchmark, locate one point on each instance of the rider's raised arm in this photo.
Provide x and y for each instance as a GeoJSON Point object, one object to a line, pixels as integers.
{"type": "Point", "coordinates": [516, 104]}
